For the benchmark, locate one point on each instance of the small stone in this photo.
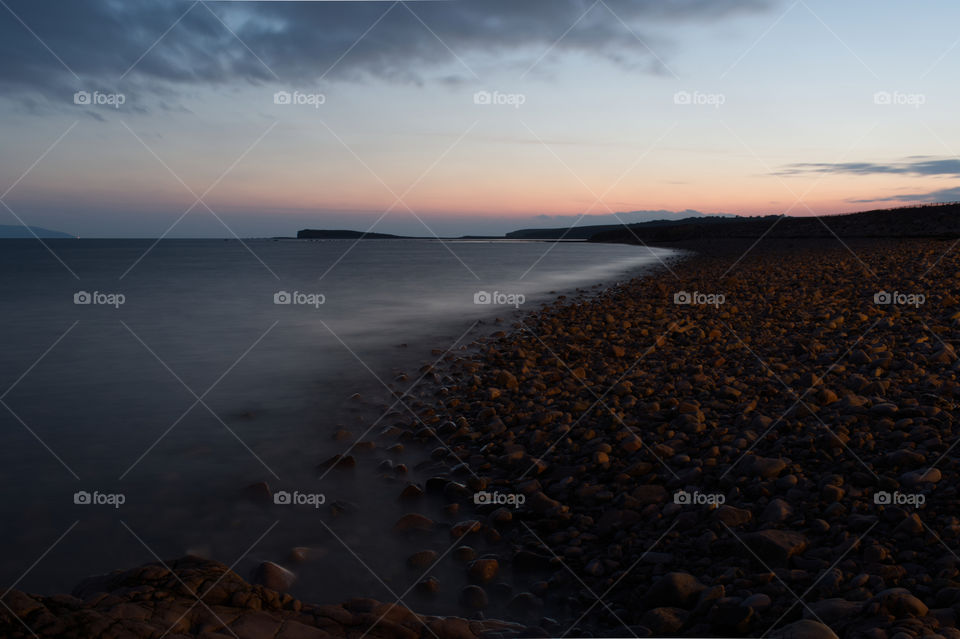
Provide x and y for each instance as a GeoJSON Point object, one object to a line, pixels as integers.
{"type": "Point", "coordinates": [665, 621]}
{"type": "Point", "coordinates": [474, 598]}
{"type": "Point", "coordinates": [776, 546]}
{"type": "Point", "coordinates": [732, 516]}
{"type": "Point", "coordinates": [776, 512]}
{"type": "Point", "coordinates": [594, 568]}
{"type": "Point", "coordinates": [429, 586]}
{"type": "Point", "coordinates": [414, 522]}
{"type": "Point", "coordinates": [764, 467]}
{"type": "Point", "coordinates": [758, 601]}
{"type": "Point", "coordinates": [422, 559]}
{"type": "Point", "coordinates": [484, 570]}
{"type": "Point", "coordinates": [274, 576]}
{"type": "Point", "coordinates": [677, 589]}
{"type": "Point", "coordinates": [804, 629]}
{"type": "Point", "coordinates": [900, 603]}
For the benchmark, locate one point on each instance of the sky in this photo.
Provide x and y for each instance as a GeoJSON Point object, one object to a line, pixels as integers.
{"type": "Point", "coordinates": [150, 118]}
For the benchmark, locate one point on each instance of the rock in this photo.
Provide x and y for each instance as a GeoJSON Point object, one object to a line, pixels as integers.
{"type": "Point", "coordinates": [833, 610]}
{"type": "Point", "coordinates": [758, 601]}
{"type": "Point", "coordinates": [422, 559]}
{"type": "Point", "coordinates": [484, 570]}
{"type": "Point", "coordinates": [274, 576]}
{"type": "Point", "coordinates": [428, 586]}
{"type": "Point", "coordinates": [931, 476]}
{"type": "Point", "coordinates": [595, 568]}
{"type": "Point", "coordinates": [776, 546]}
{"type": "Point", "coordinates": [731, 619]}
{"type": "Point", "coordinates": [507, 380]}
{"type": "Point", "coordinates": [804, 629]}
{"type": "Point", "coordinates": [732, 516]}
{"type": "Point", "coordinates": [763, 467]}
{"type": "Point", "coordinates": [474, 598]}
{"type": "Point", "coordinates": [777, 511]}
{"type": "Point", "coordinates": [899, 602]}
{"type": "Point", "coordinates": [413, 522]}
{"type": "Point", "coordinates": [665, 621]}
{"type": "Point", "coordinates": [464, 553]}
{"type": "Point", "coordinates": [675, 589]}
{"type": "Point", "coordinates": [303, 554]}
{"type": "Point", "coordinates": [411, 492]}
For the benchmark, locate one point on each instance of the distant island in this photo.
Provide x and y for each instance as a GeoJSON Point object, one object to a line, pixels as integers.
{"type": "Point", "coordinates": [927, 220]}
{"type": "Point", "coordinates": [315, 234]}
{"type": "Point", "coordinates": [20, 232]}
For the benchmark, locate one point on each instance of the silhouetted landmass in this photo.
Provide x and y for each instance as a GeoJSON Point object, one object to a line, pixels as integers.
{"type": "Point", "coordinates": [317, 234]}
{"type": "Point", "coordinates": [19, 232]}
{"type": "Point", "coordinates": [586, 232]}
{"type": "Point", "coordinates": [927, 221]}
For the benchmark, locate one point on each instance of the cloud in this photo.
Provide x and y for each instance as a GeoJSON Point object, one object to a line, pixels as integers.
{"type": "Point", "coordinates": [917, 165]}
{"type": "Point", "coordinates": [52, 49]}
{"type": "Point", "coordinates": [940, 195]}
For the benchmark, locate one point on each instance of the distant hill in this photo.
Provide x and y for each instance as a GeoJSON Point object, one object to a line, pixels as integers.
{"type": "Point", "coordinates": [586, 232]}
{"type": "Point", "coordinates": [315, 234]}
{"type": "Point", "coordinates": [19, 232]}
{"type": "Point", "coordinates": [931, 220]}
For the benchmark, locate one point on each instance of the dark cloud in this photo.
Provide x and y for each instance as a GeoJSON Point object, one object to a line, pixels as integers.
{"type": "Point", "coordinates": [919, 165]}
{"type": "Point", "coordinates": [940, 195]}
{"type": "Point", "coordinates": [297, 42]}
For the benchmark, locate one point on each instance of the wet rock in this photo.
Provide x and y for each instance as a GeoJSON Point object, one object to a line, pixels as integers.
{"type": "Point", "coordinates": [776, 546]}
{"type": "Point", "coordinates": [665, 621]}
{"type": "Point", "coordinates": [474, 598]}
{"type": "Point", "coordinates": [274, 576]}
{"type": "Point", "coordinates": [732, 516]}
{"type": "Point", "coordinates": [804, 629]}
{"type": "Point", "coordinates": [833, 610]}
{"type": "Point", "coordinates": [339, 462]}
{"type": "Point", "coordinates": [414, 522]}
{"type": "Point", "coordinates": [484, 570]}
{"type": "Point", "coordinates": [763, 467]}
{"type": "Point", "coordinates": [777, 511]}
{"type": "Point", "coordinates": [675, 589]}
{"type": "Point", "coordinates": [428, 586]}
{"type": "Point", "coordinates": [422, 559]}
{"type": "Point", "coordinates": [898, 602]}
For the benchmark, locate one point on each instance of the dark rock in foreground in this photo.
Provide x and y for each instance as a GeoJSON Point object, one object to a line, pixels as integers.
{"type": "Point", "coordinates": [203, 598]}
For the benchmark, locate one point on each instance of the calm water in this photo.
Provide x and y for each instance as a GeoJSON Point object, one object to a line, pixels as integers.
{"type": "Point", "coordinates": [199, 384]}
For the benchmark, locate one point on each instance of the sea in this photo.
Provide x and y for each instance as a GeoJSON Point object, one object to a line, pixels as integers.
{"type": "Point", "coordinates": [146, 385]}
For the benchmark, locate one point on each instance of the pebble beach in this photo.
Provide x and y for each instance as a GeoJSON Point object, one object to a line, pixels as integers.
{"type": "Point", "coordinates": [758, 440]}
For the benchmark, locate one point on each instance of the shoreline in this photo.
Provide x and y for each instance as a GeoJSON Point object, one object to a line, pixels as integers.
{"type": "Point", "coordinates": [543, 411]}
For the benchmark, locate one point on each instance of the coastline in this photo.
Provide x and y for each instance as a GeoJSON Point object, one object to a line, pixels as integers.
{"type": "Point", "coordinates": [544, 411]}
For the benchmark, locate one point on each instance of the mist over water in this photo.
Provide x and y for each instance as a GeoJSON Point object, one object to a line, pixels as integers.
{"type": "Point", "coordinates": [198, 384]}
